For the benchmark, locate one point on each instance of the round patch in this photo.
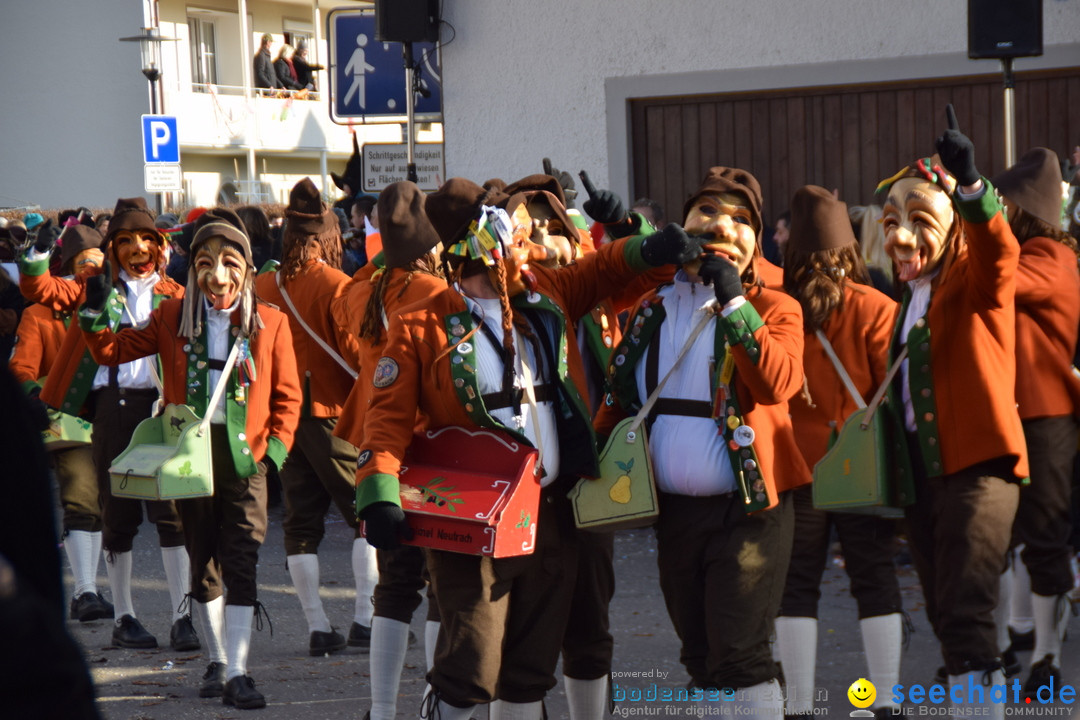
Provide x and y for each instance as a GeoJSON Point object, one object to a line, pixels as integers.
{"type": "Point", "coordinates": [386, 372]}
{"type": "Point", "coordinates": [743, 435]}
{"type": "Point", "coordinates": [362, 459]}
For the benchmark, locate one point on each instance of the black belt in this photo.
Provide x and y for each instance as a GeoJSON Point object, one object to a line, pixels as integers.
{"type": "Point", "coordinates": [213, 364]}
{"type": "Point", "coordinates": [678, 406]}
{"type": "Point", "coordinates": [513, 398]}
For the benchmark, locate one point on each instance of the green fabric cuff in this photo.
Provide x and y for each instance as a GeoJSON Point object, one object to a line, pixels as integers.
{"type": "Point", "coordinates": [740, 327]}
{"type": "Point", "coordinates": [979, 209]}
{"type": "Point", "coordinates": [93, 321]}
{"type": "Point", "coordinates": [379, 260]}
{"type": "Point", "coordinates": [33, 267]}
{"type": "Point", "coordinates": [276, 450]}
{"type": "Point", "coordinates": [632, 252]}
{"type": "Point", "coordinates": [380, 487]}
{"type": "Point", "coordinates": [29, 385]}
{"type": "Point", "coordinates": [269, 266]}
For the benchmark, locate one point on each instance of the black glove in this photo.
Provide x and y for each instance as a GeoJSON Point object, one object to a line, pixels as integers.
{"type": "Point", "coordinates": [45, 236]}
{"type": "Point", "coordinates": [670, 246]}
{"type": "Point", "coordinates": [566, 181]}
{"type": "Point", "coordinates": [603, 206]}
{"type": "Point", "coordinates": [386, 525]}
{"type": "Point", "coordinates": [98, 289]}
{"type": "Point", "coordinates": [39, 411]}
{"type": "Point", "coordinates": [723, 275]}
{"type": "Point", "coordinates": [957, 152]}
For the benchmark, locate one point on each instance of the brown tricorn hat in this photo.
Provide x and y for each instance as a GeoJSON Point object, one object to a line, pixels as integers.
{"type": "Point", "coordinates": [721, 180]}
{"type": "Point", "coordinates": [1034, 183]}
{"type": "Point", "coordinates": [407, 234]}
{"type": "Point", "coordinates": [545, 188]}
{"type": "Point", "coordinates": [307, 213]}
{"type": "Point", "coordinates": [456, 204]}
{"type": "Point", "coordinates": [132, 214]}
{"type": "Point", "coordinates": [819, 221]}
{"type": "Point", "coordinates": [73, 241]}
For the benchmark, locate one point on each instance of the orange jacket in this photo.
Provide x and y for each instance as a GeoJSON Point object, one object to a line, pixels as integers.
{"type": "Point", "coordinates": [271, 409]}
{"type": "Point", "coordinates": [73, 372]}
{"type": "Point", "coordinates": [962, 355]}
{"type": "Point", "coordinates": [1047, 317]}
{"type": "Point", "coordinates": [425, 368]}
{"type": "Point", "coordinates": [313, 292]}
{"type": "Point", "coordinates": [37, 345]}
{"type": "Point", "coordinates": [860, 336]}
{"type": "Point", "coordinates": [766, 339]}
{"type": "Point", "coordinates": [404, 288]}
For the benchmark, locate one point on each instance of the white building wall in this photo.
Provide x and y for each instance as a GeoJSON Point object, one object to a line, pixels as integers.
{"type": "Point", "coordinates": [526, 79]}
{"type": "Point", "coordinates": [62, 65]}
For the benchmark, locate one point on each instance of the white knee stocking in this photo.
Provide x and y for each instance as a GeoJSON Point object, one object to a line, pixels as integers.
{"type": "Point", "coordinates": [119, 571]}
{"type": "Point", "coordinates": [237, 638]}
{"type": "Point", "coordinates": [502, 710]}
{"type": "Point", "coordinates": [177, 574]}
{"type": "Point", "coordinates": [796, 645]}
{"type": "Point", "coordinates": [365, 567]}
{"type": "Point", "coordinates": [882, 639]}
{"type": "Point", "coordinates": [1051, 616]}
{"type": "Point", "coordinates": [79, 547]}
{"type": "Point", "coordinates": [211, 618]}
{"type": "Point", "coordinates": [304, 570]}
{"type": "Point", "coordinates": [389, 643]}
{"type": "Point", "coordinates": [587, 698]}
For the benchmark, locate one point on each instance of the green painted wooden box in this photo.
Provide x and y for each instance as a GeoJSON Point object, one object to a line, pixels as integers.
{"type": "Point", "coordinates": [168, 458]}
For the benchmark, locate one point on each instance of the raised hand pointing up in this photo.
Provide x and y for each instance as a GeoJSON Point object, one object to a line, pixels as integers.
{"type": "Point", "coordinates": [957, 152]}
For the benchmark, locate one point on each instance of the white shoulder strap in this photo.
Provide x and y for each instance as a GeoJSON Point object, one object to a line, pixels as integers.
{"type": "Point", "coordinates": [322, 343]}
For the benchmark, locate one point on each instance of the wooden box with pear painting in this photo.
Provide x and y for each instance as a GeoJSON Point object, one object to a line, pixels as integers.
{"type": "Point", "coordinates": [471, 491]}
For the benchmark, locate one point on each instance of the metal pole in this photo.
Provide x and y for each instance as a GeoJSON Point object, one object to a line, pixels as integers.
{"type": "Point", "coordinates": [249, 93]}
{"type": "Point", "coordinates": [160, 197]}
{"type": "Point", "coordinates": [410, 110]}
{"type": "Point", "coordinates": [1010, 112]}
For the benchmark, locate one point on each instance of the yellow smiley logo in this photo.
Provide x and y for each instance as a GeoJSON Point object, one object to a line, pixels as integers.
{"type": "Point", "coordinates": [862, 693]}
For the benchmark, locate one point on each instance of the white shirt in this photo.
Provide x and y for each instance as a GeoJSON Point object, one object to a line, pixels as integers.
{"type": "Point", "coordinates": [138, 304]}
{"type": "Point", "coordinates": [688, 453]}
{"type": "Point", "coordinates": [489, 376]}
{"type": "Point", "coordinates": [217, 348]}
{"type": "Point", "coordinates": [917, 307]}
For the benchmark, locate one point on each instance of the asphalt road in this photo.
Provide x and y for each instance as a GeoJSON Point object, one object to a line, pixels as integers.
{"type": "Point", "coordinates": [163, 685]}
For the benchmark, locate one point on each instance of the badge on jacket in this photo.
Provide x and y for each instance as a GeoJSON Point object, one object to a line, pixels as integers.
{"type": "Point", "coordinates": [386, 372]}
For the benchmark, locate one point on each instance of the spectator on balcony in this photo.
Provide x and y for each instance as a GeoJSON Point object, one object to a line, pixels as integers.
{"type": "Point", "coordinates": [265, 77]}
{"type": "Point", "coordinates": [305, 71]}
{"type": "Point", "coordinates": [286, 71]}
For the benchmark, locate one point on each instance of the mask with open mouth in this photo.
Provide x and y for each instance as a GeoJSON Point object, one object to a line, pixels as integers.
{"type": "Point", "coordinates": [138, 252]}
{"type": "Point", "coordinates": [917, 219]}
{"type": "Point", "coordinates": [220, 271]}
{"type": "Point", "coordinates": [726, 220]}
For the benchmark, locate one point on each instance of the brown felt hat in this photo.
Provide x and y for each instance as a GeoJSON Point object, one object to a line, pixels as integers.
{"type": "Point", "coordinates": [456, 204]}
{"type": "Point", "coordinates": [819, 221]}
{"type": "Point", "coordinates": [224, 223]}
{"type": "Point", "coordinates": [307, 213]}
{"type": "Point", "coordinates": [1034, 183]}
{"type": "Point", "coordinates": [721, 180]}
{"type": "Point", "coordinates": [407, 234]}
{"type": "Point", "coordinates": [541, 187]}
{"type": "Point", "coordinates": [132, 214]}
{"type": "Point", "coordinates": [73, 241]}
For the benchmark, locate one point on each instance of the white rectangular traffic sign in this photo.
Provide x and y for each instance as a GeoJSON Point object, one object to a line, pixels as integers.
{"type": "Point", "coordinates": [163, 178]}
{"type": "Point", "coordinates": [160, 141]}
{"type": "Point", "coordinates": [386, 163]}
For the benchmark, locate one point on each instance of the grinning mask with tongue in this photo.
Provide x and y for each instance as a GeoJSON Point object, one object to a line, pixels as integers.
{"type": "Point", "coordinates": [918, 219]}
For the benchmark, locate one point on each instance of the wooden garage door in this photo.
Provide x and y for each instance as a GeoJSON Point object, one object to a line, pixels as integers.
{"type": "Point", "coordinates": [847, 137]}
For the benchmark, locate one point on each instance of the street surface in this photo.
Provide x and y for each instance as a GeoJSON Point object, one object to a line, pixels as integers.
{"type": "Point", "coordinates": [163, 685]}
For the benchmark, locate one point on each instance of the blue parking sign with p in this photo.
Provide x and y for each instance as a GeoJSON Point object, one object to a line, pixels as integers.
{"type": "Point", "coordinates": [160, 142]}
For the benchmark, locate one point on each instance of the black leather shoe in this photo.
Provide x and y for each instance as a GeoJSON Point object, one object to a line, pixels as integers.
{"type": "Point", "coordinates": [1042, 673]}
{"type": "Point", "coordinates": [130, 633]}
{"type": "Point", "coordinates": [1019, 641]}
{"type": "Point", "coordinates": [240, 692]}
{"type": "Point", "coordinates": [360, 636]}
{"type": "Point", "coordinates": [108, 605]}
{"type": "Point", "coordinates": [182, 637]}
{"type": "Point", "coordinates": [90, 606]}
{"type": "Point", "coordinates": [322, 643]}
{"type": "Point", "coordinates": [213, 684]}
{"type": "Point", "coordinates": [1010, 664]}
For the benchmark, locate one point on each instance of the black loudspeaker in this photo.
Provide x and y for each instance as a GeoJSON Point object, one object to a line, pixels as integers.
{"type": "Point", "coordinates": [407, 20]}
{"type": "Point", "coordinates": [1005, 28]}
